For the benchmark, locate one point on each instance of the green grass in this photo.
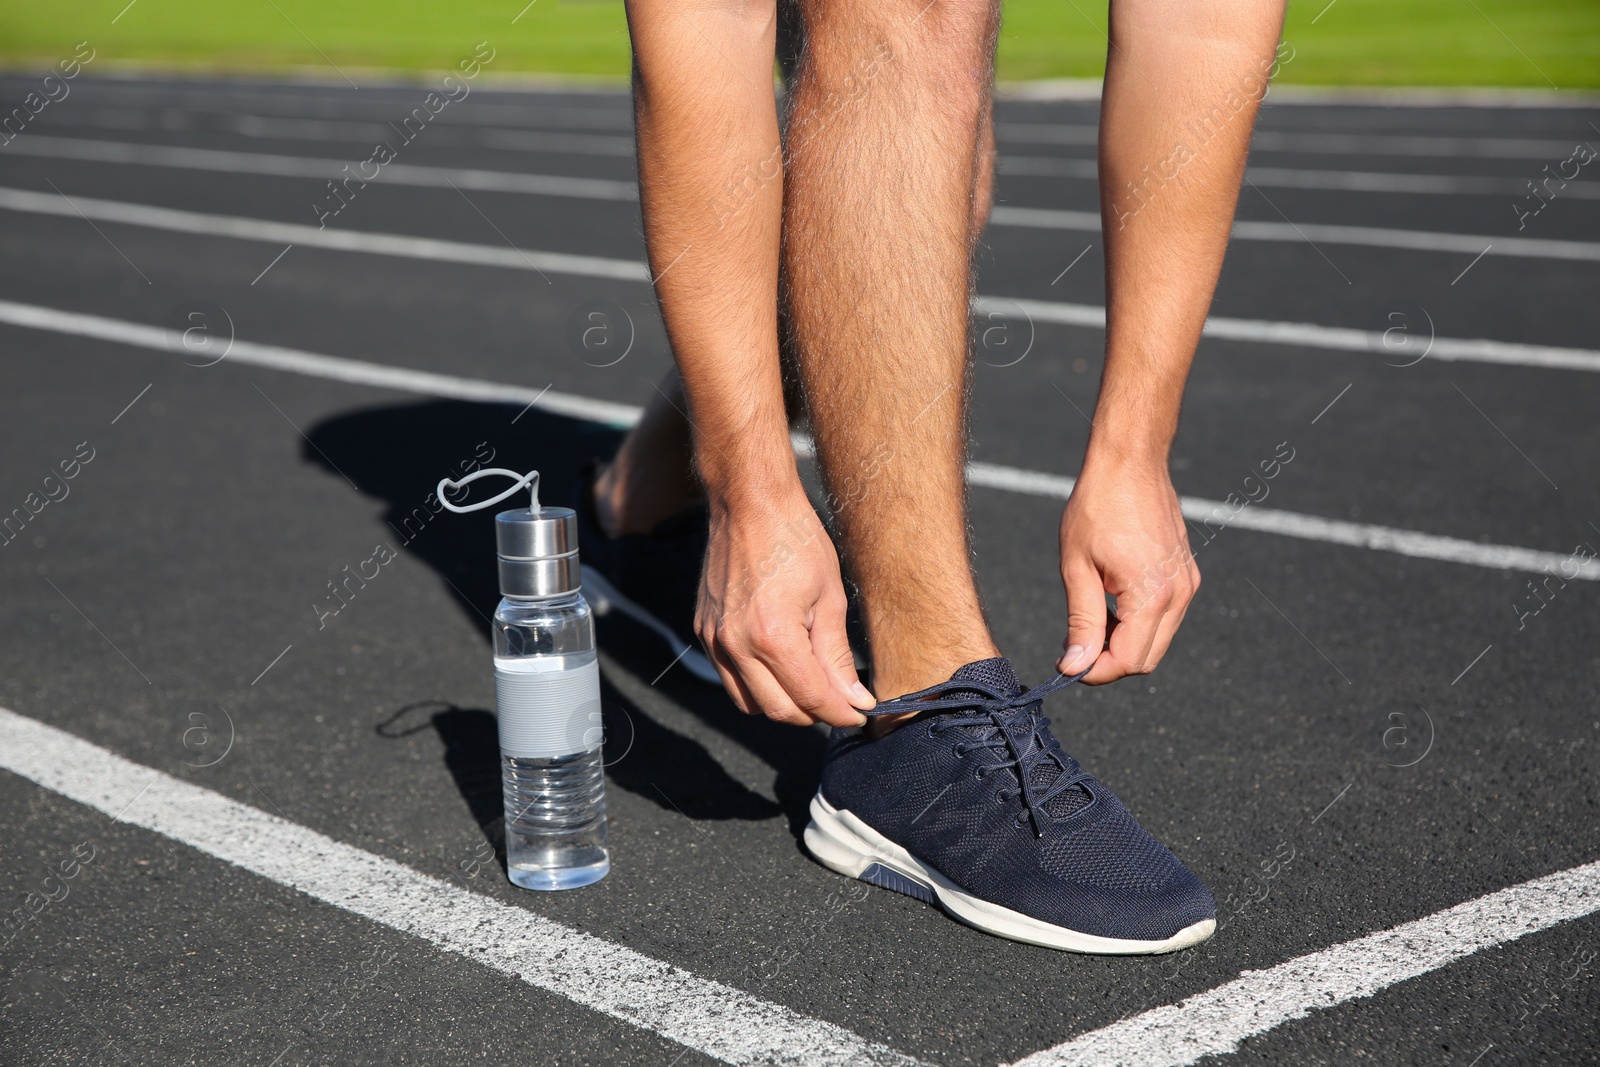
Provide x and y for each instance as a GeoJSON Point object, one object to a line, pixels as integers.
{"type": "Point", "coordinates": [1534, 43]}
{"type": "Point", "coordinates": [585, 37]}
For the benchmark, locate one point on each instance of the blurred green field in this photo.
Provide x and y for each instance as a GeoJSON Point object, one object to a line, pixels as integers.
{"type": "Point", "coordinates": [1533, 43]}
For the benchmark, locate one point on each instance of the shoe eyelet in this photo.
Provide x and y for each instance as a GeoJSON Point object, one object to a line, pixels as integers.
{"type": "Point", "coordinates": [960, 751]}
{"type": "Point", "coordinates": [933, 729]}
{"type": "Point", "coordinates": [1019, 822]}
{"type": "Point", "coordinates": [979, 775]}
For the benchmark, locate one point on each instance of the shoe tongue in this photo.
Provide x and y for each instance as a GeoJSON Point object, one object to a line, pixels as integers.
{"type": "Point", "coordinates": [996, 673]}
{"type": "Point", "coordinates": [999, 674]}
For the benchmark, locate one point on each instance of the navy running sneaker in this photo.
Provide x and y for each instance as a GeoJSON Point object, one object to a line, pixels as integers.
{"type": "Point", "coordinates": [652, 578]}
{"type": "Point", "coordinates": [972, 805]}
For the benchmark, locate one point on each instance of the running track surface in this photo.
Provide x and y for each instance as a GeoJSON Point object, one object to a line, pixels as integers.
{"type": "Point", "coordinates": [1374, 738]}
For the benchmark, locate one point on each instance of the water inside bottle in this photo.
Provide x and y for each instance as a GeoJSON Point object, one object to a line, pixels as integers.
{"type": "Point", "coordinates": [555, 808]}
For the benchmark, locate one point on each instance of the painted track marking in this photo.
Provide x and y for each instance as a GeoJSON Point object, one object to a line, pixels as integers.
{"type": "Point", "coordinates": [281, 166]}
{"type": "Point", "coordinates": [719, 1020]}
{"type": "Point", "coordinates": [1369, 236]}
{"type": "Point", "coordinates": [1297, 334]}
{"type": "Point", "coordinates": [286, 166]}
{"type": "Point", "coordinates": [986, 475]}
{"type": "Point", "coordinates": [611, 110]}
{"type": "Point", "coordinates": [1345, 181]}
{"type": "Point", "coordinates": [1309, 335]}
{"type": "Point", "coordinates": [1215, 1022]}
{"type": "Point", "coordinates": [1320, 142]}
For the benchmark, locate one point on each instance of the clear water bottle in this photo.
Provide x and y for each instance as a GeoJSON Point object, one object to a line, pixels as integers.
{"type": "Point", "coordinates": [547, 703]}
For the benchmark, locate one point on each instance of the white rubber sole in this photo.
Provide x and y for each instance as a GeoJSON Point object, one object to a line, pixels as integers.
{"type": "Point", "coordinates": [844, 843]}
{"type": "Point", "coordinates": [604, 598]}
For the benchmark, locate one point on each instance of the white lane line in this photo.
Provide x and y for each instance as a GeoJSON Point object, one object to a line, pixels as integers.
{"type": "Point", "coordinates": [1215, 1022]}
{"type": "Point", "coordinates": [281, 166]}
{"type": "Point", "coordinates": [1305, 335]}
{"type": "Point", "coordinates": [1049, 167]}
{"type": "Point", "coordinates": [1432, 146]}
{"type": "Point", "coordinates": [259, 163]}
{"type": "Point", "coordinates": [1318, 143]}
{"type": "Point", "coordinates": [1078, 133]}
{"type": "Point", "coordinates": [614, 110]}
{"type": "Point", "coordinates": [986, 475]}
{"type": "Point", "coordinates": [1309, 335]}
{"type": "Point", "coordinates": [1368, 236]}
{"type": "Point", "coordinates": [334, 368]}
{"type": "Point", "coordinates": [716, 1019]}
{"type": "Point", "coordinates": [1310, 527]}
{"type": "Point", "coordinates": [269, 127]}
{"type": "Point", "coordinates": [1380, 103]}
{"type": "Point", "coordinates": [1358, 181]}
{"type": "Point", "coordinates": [546, 141]}
{"type": "Point", "coordinates": [286, 129]}
{"type": "Point", "coordinates": [1348, 181]}
{"type": "Point", "coordinates": [383, 244]}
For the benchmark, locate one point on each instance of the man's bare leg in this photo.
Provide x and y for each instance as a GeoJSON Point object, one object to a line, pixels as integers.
{"type": "Point", "coordinates": [879, 215]}
{"type": "Point", "coordinates": [652, 476]}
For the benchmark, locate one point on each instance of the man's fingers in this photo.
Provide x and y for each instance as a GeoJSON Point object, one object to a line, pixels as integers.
{"type": "Point", "coordinates": [784, 648]}
{"type": "Point", "coordinates": [830, 644]}
{"type": "Point", "coordinates": [737, 673]}
{"type": "Point", "coordinates": [731, 680]}
{"type": "Point", "coordinates": [1171, 620]}
{"type": "Point", "coordinates": [760, 693]}
{"type": "Point", "coordinates": [1166, 630]}
{"type": "Point", "coordinates": [1086, 617]}
{"type": "Point", "coordinates": [1128, 651]}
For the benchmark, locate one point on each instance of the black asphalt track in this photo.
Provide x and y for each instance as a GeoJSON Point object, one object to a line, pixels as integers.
{"type": "Point", "coordinates": [216, 508]}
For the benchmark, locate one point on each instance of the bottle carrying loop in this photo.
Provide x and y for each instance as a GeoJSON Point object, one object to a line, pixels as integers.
{"type": "Point", "coordinates": [529, 481]}
{"type": "Point", "coordinates": [536, 547]}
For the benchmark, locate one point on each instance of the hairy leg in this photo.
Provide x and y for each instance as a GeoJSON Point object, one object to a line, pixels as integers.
{"type": "Point", "coordinates": [652, 476]}
{"type": "Point", "coordinates": [883, 149]}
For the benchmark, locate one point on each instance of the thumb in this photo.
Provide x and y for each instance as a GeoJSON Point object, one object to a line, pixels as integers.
{"type": "Point", "coordinates": [830, 644]}
{"type": "Point", "coordinates": [1086, 617]}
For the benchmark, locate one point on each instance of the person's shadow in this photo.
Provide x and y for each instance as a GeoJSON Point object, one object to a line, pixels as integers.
{"type": "Point", "coordinates": [398, 454]}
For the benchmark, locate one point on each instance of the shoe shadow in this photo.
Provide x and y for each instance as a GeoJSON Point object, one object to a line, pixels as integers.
{"type": "Point", "coordinates": [397, 454]}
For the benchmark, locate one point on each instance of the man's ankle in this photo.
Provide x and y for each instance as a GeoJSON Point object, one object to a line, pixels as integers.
{"type": "Point", "coordinates": [895, 676]}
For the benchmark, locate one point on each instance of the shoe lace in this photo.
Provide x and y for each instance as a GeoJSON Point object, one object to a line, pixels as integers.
{"type": "Point", "coordinates": [1020, 731]}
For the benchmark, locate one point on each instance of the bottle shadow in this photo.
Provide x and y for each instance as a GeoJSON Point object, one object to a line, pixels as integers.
{"type": "Point", "coordinates": [397, 454]}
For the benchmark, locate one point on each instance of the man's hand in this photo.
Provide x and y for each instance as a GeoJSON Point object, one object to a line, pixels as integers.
{"type": "Point", "coordinates": [772, 606]}
{"type": "Point", "coordinates": [771, 614]}
{"type": "Point", "coordinates": [1122, 533]}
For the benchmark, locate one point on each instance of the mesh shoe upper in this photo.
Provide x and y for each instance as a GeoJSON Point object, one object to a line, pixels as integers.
{"type": "Point", "coordinates": [949, 786]}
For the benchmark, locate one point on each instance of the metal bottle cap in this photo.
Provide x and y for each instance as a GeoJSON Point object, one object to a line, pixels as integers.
{"type": "Point", "coordinates": [537, 551]}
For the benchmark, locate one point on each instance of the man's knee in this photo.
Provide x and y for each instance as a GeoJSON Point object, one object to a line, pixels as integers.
{"type": "Point", "coordinates": [959, 29]}
{"type": "Point", "coordinates": [952, 35]}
